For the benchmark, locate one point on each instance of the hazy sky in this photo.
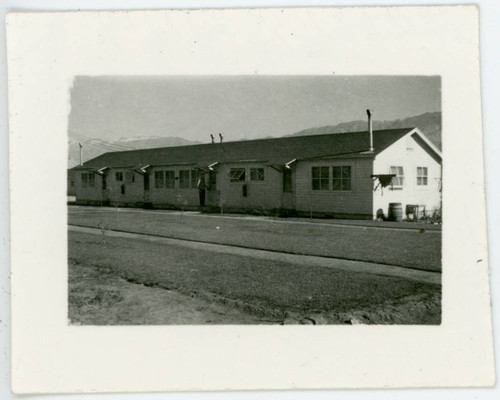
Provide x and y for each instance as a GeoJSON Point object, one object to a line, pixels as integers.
{"type": "Point", "coordinates": [239, 106]}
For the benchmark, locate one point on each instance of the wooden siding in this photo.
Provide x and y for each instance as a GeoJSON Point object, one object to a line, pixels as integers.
{"type": "Point", "coordinates": [91, 194]}
{"type": "Point", "coordinates": [355, 202]}
{"type": "Point", "coordinates": [267, 194]}
{"type": "Point", "coordinates": [175, 196]}
{"type": "Point", "coordinates": [134, 190]}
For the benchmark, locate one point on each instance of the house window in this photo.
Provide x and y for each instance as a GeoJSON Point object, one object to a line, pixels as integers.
{"type": "Point", "coordinates": [256, 174]}
{"type": "Point", "coordinates": [341, 178]}
{"type": "Point", "coordinates": [118, 176]}
{"type": "Point", "coordinates": [194, 178]}
{"type": "Point", "coordinates": [146, 181]}
{"type": "Point", "coordinates": [237, 174]}
{"type": "Point", "coordinates": [320, 178]}
{"type": "Point", "coordinates": [72, 184]}
{"type": "Point", "coordinates": [287, 180]}
{"type": "Point", "coordinates": [184, 179]}
{"type": "Point", "coordinates": [399, 180]}
{"type": "Point", "coordinates": [170, 179]}
{"type": "Point", "coordinates": [104, 182]}
{"type": "Point", "coordinates": [85, 179]}
{"type": "Point", "coordinates": [159, 179]}
{"type": "Point", "coordinates": [122, 189]}
{"type": "Point", "coordinates": [91, 180]}
{"type": "Point", "coordinates": [421, 176]}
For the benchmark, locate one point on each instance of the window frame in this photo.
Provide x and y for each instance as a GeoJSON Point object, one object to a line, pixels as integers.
{"type": "Point", "coordinates": [170, 179]}
{"type": "Point", "coordinates": [256, 171]}
{"type": "Point", "coordinates": [243, 174]}
{"type": "Point", "coordinates": [342, 179]}
{"type": "Point", "coordinates": [159, 178]}
{"type": "Point", "coordinates": [394, 169]}
{"type": "Point", "coordinates": [119, 174]}
{"type": "Point", "coordinates": [320, 179]}
{"type": "Point", "coordinates": [91, 179]}
{"type": "Point", "coordinates": [184, 183]}
{"type": "Point", "coordinates": [194, 174]}
{"type": "Point", "coordinates": [84, 179]}
{"type": "Point", "coordinates": [424, 177]}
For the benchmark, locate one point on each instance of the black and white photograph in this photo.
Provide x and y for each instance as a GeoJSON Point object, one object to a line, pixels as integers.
{"type": "Point", "coordinates": [254, 200]}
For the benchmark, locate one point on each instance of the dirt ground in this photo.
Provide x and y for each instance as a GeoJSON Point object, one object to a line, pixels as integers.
{"type": "Point", "coordinates": [98, 297]}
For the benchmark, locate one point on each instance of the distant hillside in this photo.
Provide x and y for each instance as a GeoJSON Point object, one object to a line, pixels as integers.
{"type": "Point", "coordinates": [428, 123]}
{"type": "Point", "coordinates": [95, 147]}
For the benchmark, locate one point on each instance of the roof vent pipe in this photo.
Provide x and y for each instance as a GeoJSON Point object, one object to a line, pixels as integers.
{"type": "Point", "coordinates": [370, 128]}
{"type": "Point", "coordinates": [221, 137]}
{"type": "Point", "coordinates": [212, 136]}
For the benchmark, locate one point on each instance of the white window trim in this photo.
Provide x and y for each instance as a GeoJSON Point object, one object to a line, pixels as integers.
{"type": "Point", "coordinates": [398, 187]}
{"type": "Point", "coordinates": [423, 186]}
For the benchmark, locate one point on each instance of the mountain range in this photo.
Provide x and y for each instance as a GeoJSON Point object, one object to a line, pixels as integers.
{"type": "Point", "coordinates": [429, 123]}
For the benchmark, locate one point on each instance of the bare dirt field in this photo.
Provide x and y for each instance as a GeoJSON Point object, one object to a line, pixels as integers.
{"type": "Point", "coordinates": [124, 281]}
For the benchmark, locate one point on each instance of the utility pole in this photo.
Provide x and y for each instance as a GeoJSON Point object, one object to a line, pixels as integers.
{"type": "Point", "coordinates": [79, 144]}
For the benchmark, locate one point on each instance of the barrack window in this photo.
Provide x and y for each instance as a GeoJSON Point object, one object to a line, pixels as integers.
{"type": "Point", "coordinates": [170, 179]}
{"type": "Point", "coordinates": [159, 179]}
{"type": "Point", "coordinates": [320, 178]}
{"type": "Point", "coordinates": [341, 178]}
{"type": "Point", "coordinates": [256, 174]}
{"type": "Point", "coordinates": [237, 174]}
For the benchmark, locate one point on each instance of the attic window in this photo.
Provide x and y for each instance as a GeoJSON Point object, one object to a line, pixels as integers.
{"type": "Point", "coordinates": [399, 180]}
{"type": "Point", "coordinates": [237, 174]}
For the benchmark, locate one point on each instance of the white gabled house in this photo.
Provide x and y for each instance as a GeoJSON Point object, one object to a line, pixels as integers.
{"type": "Point", "coordinates": [416, 162]}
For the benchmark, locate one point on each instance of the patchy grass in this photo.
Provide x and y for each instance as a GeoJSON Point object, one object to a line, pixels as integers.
{"type": "Point", "coordinates": [277, 287]}
{"type": "Point", "coordinates": [415, 249]}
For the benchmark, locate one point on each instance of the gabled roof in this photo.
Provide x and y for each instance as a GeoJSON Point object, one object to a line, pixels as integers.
{"type": "Point", "coordinates": [274, 151]}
